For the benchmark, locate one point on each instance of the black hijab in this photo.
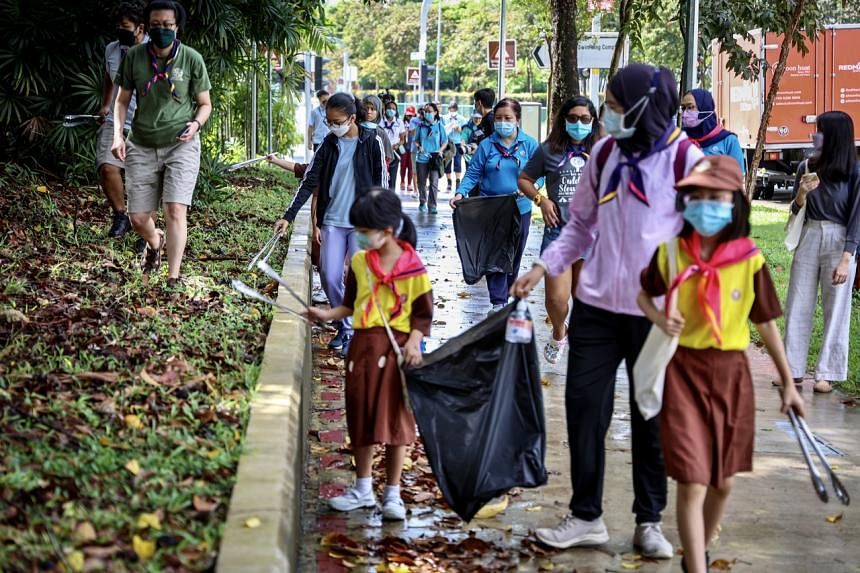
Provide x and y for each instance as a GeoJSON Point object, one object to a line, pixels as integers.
{"type": "Point", "coordinates": [629, 85]}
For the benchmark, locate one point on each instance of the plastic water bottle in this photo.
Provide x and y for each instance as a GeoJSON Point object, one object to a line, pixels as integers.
{"type": "Point", "coordinates": [519, 328]}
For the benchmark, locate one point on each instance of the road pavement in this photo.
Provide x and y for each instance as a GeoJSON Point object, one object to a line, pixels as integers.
{"type": "Point", "coordinates": [774, 521]}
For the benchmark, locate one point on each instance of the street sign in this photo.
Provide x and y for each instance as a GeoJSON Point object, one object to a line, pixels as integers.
{"type": "Point", "coordinates": [595, 50]}
{"type": "Point", "coordinates": [417, 56]}
{"type": "Point", "coordinates": [493, 53]}
{"type": "Point", "coordinates": [541, 56]}
{"type": "Point", "coordinates": [413, 76]}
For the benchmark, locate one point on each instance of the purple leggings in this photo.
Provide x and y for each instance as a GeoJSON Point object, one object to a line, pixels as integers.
{"type": "Point", "coordinates": [337, 246]}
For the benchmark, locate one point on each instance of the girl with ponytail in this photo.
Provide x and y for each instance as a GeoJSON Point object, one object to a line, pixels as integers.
{"type": "Point", "coordinates": [387, 288]}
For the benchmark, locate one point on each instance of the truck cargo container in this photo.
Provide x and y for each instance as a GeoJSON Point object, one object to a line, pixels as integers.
{"type": "Point", "coordinates": [826, 78]}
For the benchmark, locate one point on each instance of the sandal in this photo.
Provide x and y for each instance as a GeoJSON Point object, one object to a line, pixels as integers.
{"type": "Point", "coordinates": [822, 387]}
{"type": "Point", "coordinates": [798, 384]}
{"type": "Point", "coordinates": [151, 259]}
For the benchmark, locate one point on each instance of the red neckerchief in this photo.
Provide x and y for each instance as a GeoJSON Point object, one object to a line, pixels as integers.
{"type": "Point", "coordinates": [708, 288]}
{"type": "Point", "coordinates": [164, 74]}
{"type": "Point", "coordinates": [698, 140]}
{"type": "Point", "coordinates": [407, 266]}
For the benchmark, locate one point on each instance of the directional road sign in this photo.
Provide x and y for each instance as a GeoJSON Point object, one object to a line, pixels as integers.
{"type": "Point", "coordinates": [541, 56]}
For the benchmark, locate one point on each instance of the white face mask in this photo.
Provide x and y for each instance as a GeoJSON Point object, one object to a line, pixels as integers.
{"type": "Point", "coordinates": [340, 130]}
{"type": "Point", "coordinates": [613, 122]}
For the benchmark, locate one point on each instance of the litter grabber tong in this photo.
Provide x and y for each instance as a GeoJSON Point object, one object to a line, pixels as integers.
{"type": "Point", "coordinates": [79, 119]}
{"type": "Point", "coordinates": [268, 249]}
{"type": "Point", "coordinates": [804, 434]}
{"type": "Point", "coordinates": [251, 293]}
{"type": "Point", "coordinates": [245, 163]}
{"type": "Point", "coordinates": [269, 271]}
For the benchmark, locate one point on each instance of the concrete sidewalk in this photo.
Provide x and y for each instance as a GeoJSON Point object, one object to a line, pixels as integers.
{"type": "Point", "coordinates": [774, 520]}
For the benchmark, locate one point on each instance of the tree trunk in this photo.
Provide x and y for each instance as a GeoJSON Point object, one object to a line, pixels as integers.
{"type": "Point", "coordinates": [564, 71]}
{"type": "Point", "coordinates": [778, 71]}
{"type": "Point", "coordinates": [682, 25]}
{"type": "Point", "coordinates": [624, 9]}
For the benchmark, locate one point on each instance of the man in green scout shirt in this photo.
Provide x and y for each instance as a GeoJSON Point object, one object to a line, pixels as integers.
{"type": "Point", "coordinates": [162, 154]}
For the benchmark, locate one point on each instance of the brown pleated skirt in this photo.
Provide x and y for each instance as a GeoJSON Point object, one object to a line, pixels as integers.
{"type": "Point", "coordinates": [707, 423]}
{"type": "Point", "coordinates": [376, 411]}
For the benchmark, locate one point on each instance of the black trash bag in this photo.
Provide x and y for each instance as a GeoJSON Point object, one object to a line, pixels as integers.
{"type": "Point", "coordinates": [488, 235]}
{"type": "Point", "coordinates": [479, 407]}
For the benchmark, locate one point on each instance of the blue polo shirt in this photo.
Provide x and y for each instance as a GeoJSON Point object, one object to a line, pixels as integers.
{"type": "Point", "coordinates": [430, 137]}
{"type": "Point", "coordinates": [318, 125]}
{"type": "Point", "coordinates": [496, 167]}
{"type": "Point", "coordinates": [412, 127]}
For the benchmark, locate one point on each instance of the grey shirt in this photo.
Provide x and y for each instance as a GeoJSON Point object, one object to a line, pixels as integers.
{"type": "Point", "coordinates": [837, 202]}
{"type": "Point", "coordinates": [562, 172]}
{"type": "Point", "coordinates": [342, 189]}
{"type": "Point", "coordinates": [114, 54]}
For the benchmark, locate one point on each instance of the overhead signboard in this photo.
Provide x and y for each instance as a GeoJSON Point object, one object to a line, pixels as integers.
{"type": "Point", "coordinates": [595, 50]}
{"type": "Point", "coordinates": [413, 76]}
{"type": "Point", "coordinates": [494, 54]}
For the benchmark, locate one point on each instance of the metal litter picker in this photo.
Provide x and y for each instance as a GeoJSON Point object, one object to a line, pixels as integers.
{"type": "Point", "coordinates": [804, 435]}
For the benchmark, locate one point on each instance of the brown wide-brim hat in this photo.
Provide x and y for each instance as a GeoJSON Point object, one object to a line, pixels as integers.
{"type": "Point", "coordinates": [714, 172]}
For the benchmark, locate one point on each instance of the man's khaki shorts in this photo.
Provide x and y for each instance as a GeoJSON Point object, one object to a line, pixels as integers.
{"type": "Point", "coordinates": [163, 174]}
{"type": "Point", "coordinates": [103, 146]}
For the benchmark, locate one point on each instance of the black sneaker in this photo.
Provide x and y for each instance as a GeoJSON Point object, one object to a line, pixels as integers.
{"type": "Point", "coordinates": [174, 283]}
{"type": "Point", "coordinates": [344, 350]}
{"type": "Point", "coordinates": [336, 343]}
{"type": "Point", "coordinates": [121, 225]}
{"type": "Point", "coordinates": [151, 259]}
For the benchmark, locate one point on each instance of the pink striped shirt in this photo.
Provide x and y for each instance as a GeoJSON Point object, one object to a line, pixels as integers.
{"type": "Point", "coordinates": [623, 232]}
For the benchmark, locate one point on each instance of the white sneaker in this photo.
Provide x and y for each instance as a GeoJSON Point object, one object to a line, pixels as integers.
{"type": "Point", "coordinates": [554, 349]}
{"type": "Point", "coordinates": [352, 499]}
{"type": "Point", "coordinates": [496, 308]}
{"type": "Point", "coordinates": [574, 532]}
{"type": "Point", "coordinates": [393, 509]}
{"type": "Point", "coordinates": [649, 539]}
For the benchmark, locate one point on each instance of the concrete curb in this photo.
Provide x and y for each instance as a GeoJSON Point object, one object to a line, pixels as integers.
{"type": "Point", "coordinates": [271, 468]}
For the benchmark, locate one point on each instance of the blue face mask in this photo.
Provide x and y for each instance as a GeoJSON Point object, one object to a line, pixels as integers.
{"type": "Point", "coordinates": [614, 122]}
{"type": "Point", "coordinates": [708, 217]}
{"type": "Point", "coordinates": [368, 124]}
{"type": "Point", "coordinates": [577, 130]}
{"type": "Point", "coordinates": [366, 241]}
{"type": "Point", "coordinates": [390, 113]}
{"type": "Point", "coordinates": [505, 128]}
{"type": "Point", "coordinates": [430, 115]}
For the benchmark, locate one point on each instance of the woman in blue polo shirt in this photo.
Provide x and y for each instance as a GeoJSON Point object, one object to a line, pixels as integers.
{"type": "Point", "coordinates": [494, 168]}
{"type": "Point", "coordinates": [430, 140]}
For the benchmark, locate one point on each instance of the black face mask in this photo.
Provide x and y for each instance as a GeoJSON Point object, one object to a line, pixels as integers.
{"type": "Point", "coordinates": [125, 37]}
{"type": "Point", "coordinates": [162, 37]}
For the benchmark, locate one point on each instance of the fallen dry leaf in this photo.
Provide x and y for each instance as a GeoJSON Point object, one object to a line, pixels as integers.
{"type": "Point", "coordinates": [835, 518]}
{"type": "Point", "coordinates": [75, 560]}
{"type": "Point", "coordinates": [13, 315]}
{"type": "Point", "coordinates": [144, 549]}
{"type": "Point", "coordinates": [723, 564]}
{"type": "Point", "coordinates": [146, 311]}
{"type": "Point", "coordinates": [545, 381]}
{"type": "Point", "coordinates": [133, 467]}
{"type": "Point", "coordinates": [630, 565]}
{"type": "Point", "coordinates": [253, 522]}
{"type": "Point", "coordinates": [145, 520]}
{"type": "Point", "coordinates": [106, 377]}
{"type": "Point", "coordinates": [147, 377]}
{"type": "Point", "coordinates": [85, 532]}
{"type": "Point", "coordinates": [204, 504]}
{"type": "Point", "coordinates": [133, 422]}
{"type": "Point", "coordinates": [534, 508]}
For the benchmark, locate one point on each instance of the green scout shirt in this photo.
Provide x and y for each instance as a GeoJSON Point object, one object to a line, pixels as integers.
{"type": "Point", "coordinates": [158, 118]}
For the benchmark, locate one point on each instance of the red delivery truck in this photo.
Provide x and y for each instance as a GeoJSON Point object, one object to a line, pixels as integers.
{"type": "Point", "coordinates": [826, 78]}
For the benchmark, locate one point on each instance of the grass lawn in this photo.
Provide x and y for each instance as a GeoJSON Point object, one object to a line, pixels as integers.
{"type": "Point", "coordinates": [768, 231]}
{"type": "Point", "coordinates": [124, 404]}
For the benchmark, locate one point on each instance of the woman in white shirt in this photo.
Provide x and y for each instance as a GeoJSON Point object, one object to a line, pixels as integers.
{"type": "Point", "coordinates": [396, 132]}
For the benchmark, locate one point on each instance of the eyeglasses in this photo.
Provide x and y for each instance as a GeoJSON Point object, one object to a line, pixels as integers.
{"type": "Point", "coordinates": [583, 118]}
{"type": "Point", "coordinates": [336, 123]}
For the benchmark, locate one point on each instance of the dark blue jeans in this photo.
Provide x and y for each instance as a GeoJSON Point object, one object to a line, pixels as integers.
{"type": "Point", "coordinates": [498, 284]}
